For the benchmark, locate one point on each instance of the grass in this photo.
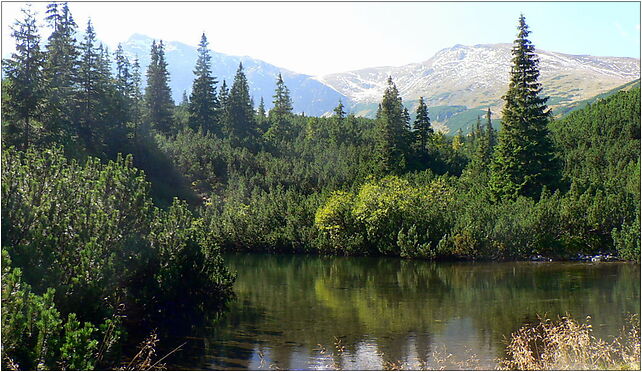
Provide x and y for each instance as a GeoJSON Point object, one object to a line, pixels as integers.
{"type": "Point", "coordinates": [566, 344]}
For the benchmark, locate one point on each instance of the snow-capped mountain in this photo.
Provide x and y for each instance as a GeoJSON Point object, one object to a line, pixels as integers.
{"type": "Point", "coordinates": [477, 76]}
{"type": "Point", "coordinates": [308, 94]}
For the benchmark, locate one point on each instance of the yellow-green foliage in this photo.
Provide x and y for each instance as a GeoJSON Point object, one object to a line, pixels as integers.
{"type": "Point", "coordinates": [390, 216]}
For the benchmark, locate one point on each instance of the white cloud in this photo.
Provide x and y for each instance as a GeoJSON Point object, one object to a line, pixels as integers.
{"type": "Point", "coordinates": [621, 30]}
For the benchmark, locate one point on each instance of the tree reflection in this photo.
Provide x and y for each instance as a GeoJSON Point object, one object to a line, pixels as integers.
{"type": "Point", "coordinates": [290, 308]}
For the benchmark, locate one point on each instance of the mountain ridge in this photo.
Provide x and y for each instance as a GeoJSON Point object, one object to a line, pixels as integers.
{"type": "Point", "coordinates": [459, 81]}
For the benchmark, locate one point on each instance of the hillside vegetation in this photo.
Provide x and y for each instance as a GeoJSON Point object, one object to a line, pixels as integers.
{"type": "Point", "coordinates": [116, 203]}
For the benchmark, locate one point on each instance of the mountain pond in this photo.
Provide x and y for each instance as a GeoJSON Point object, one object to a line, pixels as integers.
{"type": "Point", "coordinates": [360, 313]}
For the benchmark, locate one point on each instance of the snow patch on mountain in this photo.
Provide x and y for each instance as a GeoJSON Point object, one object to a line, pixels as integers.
{"type": "Point", "coordinates": [478, 75]}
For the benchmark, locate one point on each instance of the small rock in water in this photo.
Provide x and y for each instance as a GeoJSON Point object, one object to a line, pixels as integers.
{"type": "Point", "coordinates": [540, 258]}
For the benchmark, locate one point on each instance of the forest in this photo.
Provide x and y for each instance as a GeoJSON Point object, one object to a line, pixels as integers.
{"type": "Point", "coordinates": [117, 203]}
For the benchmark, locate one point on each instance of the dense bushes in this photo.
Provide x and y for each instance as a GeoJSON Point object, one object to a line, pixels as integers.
{"type": "Point", "coordinates": [313, 192]}
{"type": "Point", "coordinates": [388, 217]}
{"type": "Point", "coordinates": [83, 242]}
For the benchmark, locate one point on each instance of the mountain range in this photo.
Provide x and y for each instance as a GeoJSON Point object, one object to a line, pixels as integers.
{"type": "Point", "coordinates": [309, 95]}
{"type": "Point", "coordinates": [459, 83]}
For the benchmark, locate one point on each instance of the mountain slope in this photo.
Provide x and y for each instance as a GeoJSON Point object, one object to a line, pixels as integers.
{"type": "Point", "coordinates": [308, 94]}
{"type": "Point", "coordinates": [477, 76]}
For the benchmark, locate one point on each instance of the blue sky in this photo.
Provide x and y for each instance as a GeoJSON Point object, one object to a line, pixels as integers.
{"type": "Point", "coordinates": [319, 38]}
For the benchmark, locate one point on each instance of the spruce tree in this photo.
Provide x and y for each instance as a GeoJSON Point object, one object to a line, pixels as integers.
{"type": "Point", "coordinates": [523, 161]}
{"type": "Point", "coordinates": [95, 110]}
{"type": "Point", "coordinates": [391, 135]}
{"type": "Point", "coordinates": [422, 128]}
{"type": "Point", "coordinates": [136, 97]}
{"type": "Point", "coordinates": [87, 76]}
{"type": "Point", "coordinates": [25, 81]}
{"type": "Point", "coordinates": [60, 74]}
{"type": "Point", "coordinates": [241, 113]}
{"type": "Point", "coordinates": [260, 112]}
{"type": "Point", "coordinates": [478, 129]}
{"type": "Point", "coordinates": [490, 132]}
{"type": "Point", "coordinates": [483, 151]}
{"type": "Point", "coordinates": [158, 97]}
{"type": "Point", "coordinates": [123, 71]}
{"type": "Point", "coordinates": [112, 114]}
{"type": "Point", "coordinates": [338, 111]}
{"type": "Point", "coordinates": [203, 100]}
{"type": "Point", "coordinates": [223, 110]}
{"type": "Point", "coordinates": [124, 82]}
{"type": "Point", "coordinates": [282, 101]}
{"type": "Point", "coordinates": [280, 114]}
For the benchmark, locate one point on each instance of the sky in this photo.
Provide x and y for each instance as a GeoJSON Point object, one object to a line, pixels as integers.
{"type": "Point", "coordinates": [320, 38]}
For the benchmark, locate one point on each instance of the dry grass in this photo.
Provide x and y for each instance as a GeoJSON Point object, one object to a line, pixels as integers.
{"type": "Point", "coordinates": [564, 344]}
{"type": "Point", "coordinates": [144, 359]}
{"type": "Point", "coordinates": [568, 345]}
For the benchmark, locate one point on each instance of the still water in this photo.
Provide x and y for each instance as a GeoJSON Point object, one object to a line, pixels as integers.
{"type": "Point", "coordinates": [307, 312]}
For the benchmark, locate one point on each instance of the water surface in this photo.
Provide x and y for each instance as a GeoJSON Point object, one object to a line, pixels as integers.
{"type": "Point", "coordinates": [308, 312]}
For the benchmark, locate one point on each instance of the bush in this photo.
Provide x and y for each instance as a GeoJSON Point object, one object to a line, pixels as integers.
{"type": "Point", "coordinates": [388, 216]}
{"type": "Point", "coordinates": [85, 242]}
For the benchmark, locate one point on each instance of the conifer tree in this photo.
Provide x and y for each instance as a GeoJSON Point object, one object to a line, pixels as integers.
{"type": "Point", "coordinates": [123, 72]}
{"type": "Point", "coordinates": [223, 105]}
{"type": "Point", "coordinates": [422, 128]}
{"type": "Point", "coordinates": [282, 101]}
{"type": "Point", "coordinates": [338, 111]}
{"type": "Point", "coordinates": [158, 96]}
{"type": "Point", "coordinates": [25, 79]}
{"type": "Point", "coordinates": [123, 84]}
{"type": "Point", "coordinates": [281, 111]}
{"type": "Point", "coordinates": [203, 100]}
{"type": "Point", "coordinates": [523, 161]}
{"type": "Point", "coordinates": [490, 132]}
{"type": "Point", "coordinates": [241, 113]}
{"type": "Point", "coordinates": [260, 112]}
{"type": "Point", "coordinates": [136, 97]}
{"type": "Point", "coordinates": [478, 128]}
{"type": "Point", "coordinates": [391, 145]}
{"type": "Point", "coordinates": [90, 89]}
{"type": "Point", "coordinates": [60, 74]}
{"type": "Point", "coordinates": [261, 118]}
{"type": "Point", "coordinates": [113, 106]}
{"type": "Point", "coordinates": [483, 151]}
{"type": "Point", "coordinates": [184, 99]}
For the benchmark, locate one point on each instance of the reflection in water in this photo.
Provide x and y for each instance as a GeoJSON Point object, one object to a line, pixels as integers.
{"type": "Point", "coordinates": [307, 312]}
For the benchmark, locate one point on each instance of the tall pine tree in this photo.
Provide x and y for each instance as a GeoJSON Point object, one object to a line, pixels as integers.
{"type": "Point", "coordinates": [94, 97]}
{"type": "Point", "coordinates": [339, 113]}
{"type": "Point", "coordinates": [490, 132]}
{"type": "Point", "coordinates": [158, 96]}
{"type": "Point", "coordinates": [391, 132]}
{"type": "Point", "coordinates": [136, 97]}
{"type": "Point", "coordinates": [422, 128]}
{"type": "Point", "coordinates": [203, 100]}
{"type": "Point", "coordinates": [241, 113]}
{"type": "Point", "coordinates": [280, 114]}
{"type": "Point", "coordinates": [223, 109]}
{"type": "Point", "coordinates": [60, 72]}
{"type": "Point", "coordinates": [282, 101]}
{"type": "Point", "coordinates": [523, 161]}
{"type": "Point", "coordinates": [24, 82]}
